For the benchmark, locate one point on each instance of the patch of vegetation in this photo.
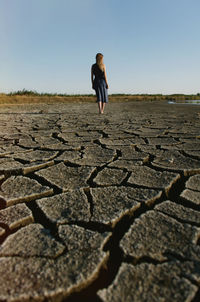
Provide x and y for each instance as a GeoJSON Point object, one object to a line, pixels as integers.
{"type": "Point", "coordinates": [25, 92]}
{"type": "Point", "coordinates": [29, 96]}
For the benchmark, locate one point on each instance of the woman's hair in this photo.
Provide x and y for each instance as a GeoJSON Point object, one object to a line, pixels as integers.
{"type": "Point", "coordinates": [99, 60]}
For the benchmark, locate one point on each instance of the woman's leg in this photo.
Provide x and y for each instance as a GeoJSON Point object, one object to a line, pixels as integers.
{"type": "Point", "coordinates": [100, 107]}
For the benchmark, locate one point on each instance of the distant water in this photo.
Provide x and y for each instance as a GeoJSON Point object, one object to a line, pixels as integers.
{"type": "Point", "coordinates": [187, 102]}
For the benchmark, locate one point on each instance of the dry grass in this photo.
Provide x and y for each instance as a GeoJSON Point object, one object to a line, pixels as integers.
{"type": "Point", "coordinates": [16, 99]}
{"type": "Point", "coordinates": [43, 99]}
{"type": "Point", "coordinates": [5, 99]}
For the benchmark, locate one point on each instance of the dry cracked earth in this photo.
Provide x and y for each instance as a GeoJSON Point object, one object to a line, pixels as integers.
{"type": "Point", "coordinates": [100, 207]}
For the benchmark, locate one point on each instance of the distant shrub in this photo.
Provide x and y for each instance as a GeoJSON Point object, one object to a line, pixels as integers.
{"type": "Point", "coordinates": [26, 92]}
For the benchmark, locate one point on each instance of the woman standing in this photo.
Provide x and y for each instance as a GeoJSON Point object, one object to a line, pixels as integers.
{"type": "Point", "coordinates": [99, 82]}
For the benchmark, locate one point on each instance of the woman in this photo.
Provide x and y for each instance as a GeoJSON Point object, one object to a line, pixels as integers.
{"type": "Point", "coordinates": [99, 82]}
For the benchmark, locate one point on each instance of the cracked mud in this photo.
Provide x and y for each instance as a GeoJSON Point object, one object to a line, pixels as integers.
{"type": "Point", "coordinates": [100, 207]}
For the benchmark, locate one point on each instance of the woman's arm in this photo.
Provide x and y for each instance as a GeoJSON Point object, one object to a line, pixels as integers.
{"type": "Point", "coordinates": [92, 78]}
{"type": "Point", "coordinates": [105, 76]}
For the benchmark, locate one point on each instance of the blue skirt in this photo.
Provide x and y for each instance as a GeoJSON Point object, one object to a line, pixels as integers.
{"type": "Point", "coordinates": [101, 90]}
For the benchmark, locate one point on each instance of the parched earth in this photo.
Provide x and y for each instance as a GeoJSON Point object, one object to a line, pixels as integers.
{"type": "Point", "coordinates": [100, 207]}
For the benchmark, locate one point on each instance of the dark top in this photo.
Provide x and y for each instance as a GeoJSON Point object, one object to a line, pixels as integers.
{"type": "Point", "coordinates": [99, 74]}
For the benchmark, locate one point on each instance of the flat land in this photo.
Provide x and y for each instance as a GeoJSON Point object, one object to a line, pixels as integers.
{"type": "Point", "coordinates": [99, 207]}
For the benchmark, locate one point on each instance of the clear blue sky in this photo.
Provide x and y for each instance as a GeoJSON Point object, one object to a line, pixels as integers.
{"type": "Point", "coordinates": [149, 46]}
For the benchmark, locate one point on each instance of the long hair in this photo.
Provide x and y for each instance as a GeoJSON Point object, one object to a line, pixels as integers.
{"type": "Point", "coordinates": [99, 60]}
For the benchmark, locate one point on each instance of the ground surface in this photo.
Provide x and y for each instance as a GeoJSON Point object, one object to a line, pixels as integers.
{"type": "Point", "coordinates": [100, 207]}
